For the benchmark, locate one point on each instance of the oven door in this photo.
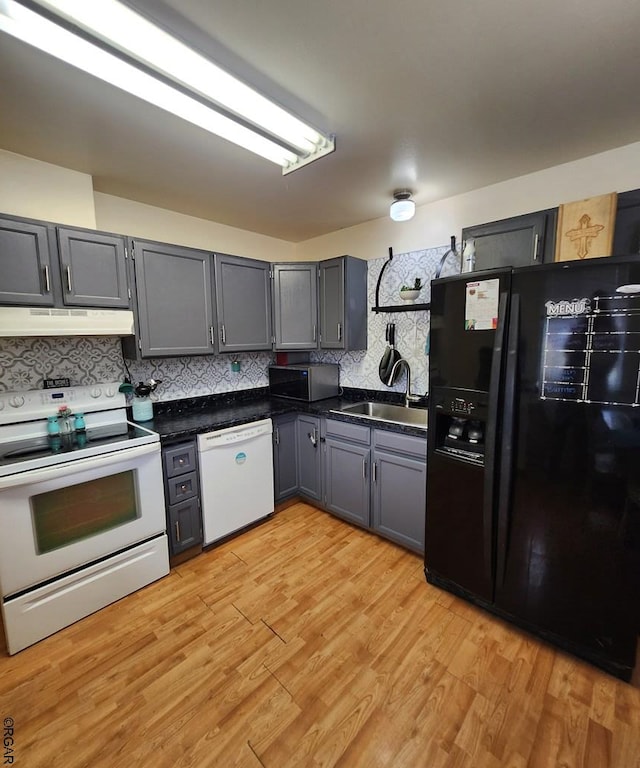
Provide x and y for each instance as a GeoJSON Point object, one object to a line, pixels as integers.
{"type": "Point", "coordinates": [56, 519]}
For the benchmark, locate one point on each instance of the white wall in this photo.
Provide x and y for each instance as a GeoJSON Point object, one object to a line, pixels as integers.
{"type": "Point", "coordinates": [40, 190]}
{"type": "Point", "coordinates": [616, 170]}
{"type": "Point", "coordinates": [115, 214]}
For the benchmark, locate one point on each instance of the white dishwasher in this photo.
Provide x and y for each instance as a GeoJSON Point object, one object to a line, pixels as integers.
{"type": "Point", "coordinates": [236, 477]}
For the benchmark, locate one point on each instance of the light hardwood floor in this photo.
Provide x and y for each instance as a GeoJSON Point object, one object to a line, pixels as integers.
{"type": "Point", "coordinates": [304, 643]}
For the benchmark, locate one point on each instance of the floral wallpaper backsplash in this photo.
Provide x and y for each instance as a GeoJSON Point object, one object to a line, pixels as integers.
{"type": "Point", "coordinates": [25, 362]}
{"type": "Point", "coordinates": [360, 369]}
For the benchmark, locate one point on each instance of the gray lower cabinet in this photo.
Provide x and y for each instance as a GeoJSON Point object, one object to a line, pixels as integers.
{"type": "Point", "coordinates": [285, 462]}
{"type": "Point", "coordinates": [346, 471]}
{"type": "Point", "coordinates": [173, 300]}
{"type": "Point", "coordinates": [516, 242]}
{"type": "Point", "coordinates": [243, 304]}
{"type": "Point", "coordinates": [343, 303]}
{"type": "Point", "coordinates": [295, 306]}
{"type": "Point", "coordinates": [377, 479]}
{"type": "Point", "coordinates": [309, 456]}
{"type": "Point", "coordinates": [182, 495]}
{"type": "Point", "coordinates": [399, 484]}
{"type": "Point", "coordinates": [82, 268]}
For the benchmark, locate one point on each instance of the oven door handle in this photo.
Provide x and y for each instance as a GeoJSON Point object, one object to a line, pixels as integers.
{"type": "Point", "coordinates": [74, 466]}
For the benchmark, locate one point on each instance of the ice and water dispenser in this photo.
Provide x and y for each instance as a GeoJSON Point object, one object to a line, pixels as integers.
{"type": "Point", "coordinates": [460, 423]}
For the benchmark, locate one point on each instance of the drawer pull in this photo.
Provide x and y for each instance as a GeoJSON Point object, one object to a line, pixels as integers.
{"type": "Point", "coordinates": [177, 531]}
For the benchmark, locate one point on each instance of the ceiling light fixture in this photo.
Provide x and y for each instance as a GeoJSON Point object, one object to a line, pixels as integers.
{"type": "Point", "coordinates": [279, 136]}
{"type": "Point", "coordinates": [402, 208]}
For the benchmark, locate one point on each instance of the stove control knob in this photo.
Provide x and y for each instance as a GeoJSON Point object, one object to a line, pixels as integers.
{"type": "Point", "coordinates": [110, 392]}
{"type": "Point", "coordinates": [96, 392]}
{"type": "Point", "coordinates": [16, 401]}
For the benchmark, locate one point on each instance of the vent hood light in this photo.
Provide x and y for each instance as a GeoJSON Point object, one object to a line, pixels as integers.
{"type": "Point", "coordinates": [44, 321]}
{"type": "Point", "coordinates": [125, 31]}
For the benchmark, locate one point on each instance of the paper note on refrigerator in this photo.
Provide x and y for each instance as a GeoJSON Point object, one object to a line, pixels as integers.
{"type": "Point", "coordinates": [481, 306]}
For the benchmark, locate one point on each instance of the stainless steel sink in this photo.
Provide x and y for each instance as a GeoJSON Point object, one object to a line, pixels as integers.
{"type": "Point", "coordinates": [397, 414]}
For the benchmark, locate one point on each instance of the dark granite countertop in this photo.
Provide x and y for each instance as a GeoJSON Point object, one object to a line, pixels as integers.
{"type": "Point", "coordinates": [180, 419]}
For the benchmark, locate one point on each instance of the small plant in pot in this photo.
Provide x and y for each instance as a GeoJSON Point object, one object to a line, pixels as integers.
{"type": "Point", "coordinates": [411, 292]}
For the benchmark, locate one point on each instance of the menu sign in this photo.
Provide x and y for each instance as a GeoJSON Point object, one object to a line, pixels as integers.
{"type": "Point", "coordinates": [592, 350]}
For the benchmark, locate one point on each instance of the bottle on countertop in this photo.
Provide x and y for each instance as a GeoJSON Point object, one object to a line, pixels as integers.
{"type": "Point", "coordinates": [79, 424]}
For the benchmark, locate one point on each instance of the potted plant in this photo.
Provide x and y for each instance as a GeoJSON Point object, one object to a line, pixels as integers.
{"type": "Point", "coordinates": [411, 292]}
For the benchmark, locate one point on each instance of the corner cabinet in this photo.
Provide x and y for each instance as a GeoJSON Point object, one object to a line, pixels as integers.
{"type": "Point", "coordinates": [243, 304]}
{"type": "Point", "coordinates": [49, 266]}
{"type": "Point", "coordinates": [343, 303]}
{"type": "Point", "coordinates": [309, 456]}
{"type": "Point", "coordinates": [285, 476]}
{"type": "Point", "coordinates": [174, 307]}
{"type": "Point", "coordinates": [295, 306]}
{"type": "Point", "coordinates": [516, 242]}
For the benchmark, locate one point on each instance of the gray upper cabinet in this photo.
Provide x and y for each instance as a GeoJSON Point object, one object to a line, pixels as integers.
{"type": "Point", "coordinates": [25, 263]}
{"type": "Point", "coordinates": [93, 268]}
{"type": "Point", "coordinates": [243, 304]}
{"type": "Point", "coordinates": [83, 268]}
{"type": "Point", "coordinates": [516, 242]}
{"type": "Point", "coordinates": [295, 306]}
{"type": "Point", "coordinates": [626, 238]}
{"type": "Point", "coordinates": [174, 301]}
{"type": "Point", "coordinates": [343, 303]}
{"type": "Point", "coordinates": [309, 456]}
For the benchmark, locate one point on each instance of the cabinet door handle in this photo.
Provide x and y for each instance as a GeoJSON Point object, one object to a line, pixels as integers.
{"type": "Point", "coordinates": [276, 435]}
{"type": "Point", "coordinates": [364, 469]}
{"type": "Point", "coordinates": [374, 472]}
{"type": "Point", "coordinates": [315, 333]}
{"type": "Point", "coordinates": [211, 335]}
{"type": "Point", "coordinates": [177, 531]}
{"type": "Point", "coordinates": [67, 270]}
{"type": "Point", "coordinates": [339, 331]}
{"type": "Point", "coordinates": [47, 283]}
{"type": "Point", "coordinates": [223, 335]}
{"type": "Point", "coordinates": [536, 241]}
{"type": "Point", "coordinates": [313, 436]}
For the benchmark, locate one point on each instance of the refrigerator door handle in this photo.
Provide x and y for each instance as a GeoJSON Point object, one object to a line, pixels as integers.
{"type": "Point", "coordinates": [508, 439]}
{"type": "Point", "coordinates": [490, 437]}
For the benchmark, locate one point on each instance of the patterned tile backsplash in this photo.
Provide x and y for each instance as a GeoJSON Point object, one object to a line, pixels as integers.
{"type": "Point", "coordinates": [25, 362]}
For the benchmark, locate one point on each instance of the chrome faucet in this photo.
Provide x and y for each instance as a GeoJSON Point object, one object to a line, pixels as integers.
{"type": "Point", "coordinates": [408, 397]}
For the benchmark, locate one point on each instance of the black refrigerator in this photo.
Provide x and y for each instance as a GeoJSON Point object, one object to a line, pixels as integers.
{"type": "Point", "coordinates": [533, 467]}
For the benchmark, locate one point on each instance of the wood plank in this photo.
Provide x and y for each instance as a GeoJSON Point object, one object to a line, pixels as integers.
{"type": "Point", "coordinates": [307, 642]}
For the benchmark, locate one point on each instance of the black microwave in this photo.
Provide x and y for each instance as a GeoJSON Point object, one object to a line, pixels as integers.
{"type": "Point", "coordinates": [304, 381]}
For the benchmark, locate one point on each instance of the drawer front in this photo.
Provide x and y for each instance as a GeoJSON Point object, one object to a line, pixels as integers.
{"type": "Point", "coordinates": [180, 459]}
{"type": "Point", "coordinates": [409, 445]}
{"type": "Point", "coordinates": [182, 487]}
{"type": "Point", "coordinates": [358, 433]}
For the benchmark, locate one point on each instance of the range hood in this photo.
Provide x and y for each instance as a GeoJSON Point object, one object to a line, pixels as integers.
{"type": "Point", "coordinates": [54, 321]}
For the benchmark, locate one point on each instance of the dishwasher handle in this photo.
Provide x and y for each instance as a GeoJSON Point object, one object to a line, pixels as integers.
{"type": "Point", "coordinates": [234, 435]}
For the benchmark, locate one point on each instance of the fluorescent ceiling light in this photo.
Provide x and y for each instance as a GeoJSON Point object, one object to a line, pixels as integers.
{"type": "Point", "coordinates": [129, 32]}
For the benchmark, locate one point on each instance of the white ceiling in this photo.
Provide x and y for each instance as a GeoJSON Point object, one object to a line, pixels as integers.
{"type": "Point", "coordinates": [439, 97]}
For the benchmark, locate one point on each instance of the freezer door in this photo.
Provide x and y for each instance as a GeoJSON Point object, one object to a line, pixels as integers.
{"type": "Point", "coordinates": [468, 326]}
{"type": "Point", "coordinates": [568, 554]}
